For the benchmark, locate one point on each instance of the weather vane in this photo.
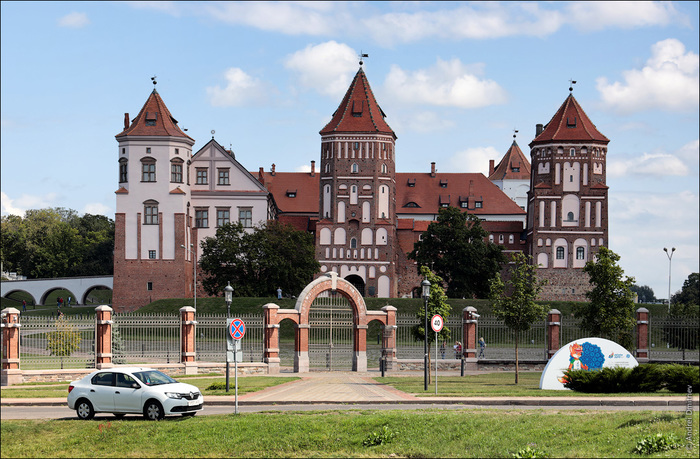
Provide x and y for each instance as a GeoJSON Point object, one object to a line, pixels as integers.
{"type": "Point", "coordinates": [362, 55]}
{"type": "Point", "coordinates": [515, 132]}
{"type": "Point", "coordinates": [153, 79]}
{"type": "Point", "coordinates": [571, 85]}
{"type": "Point", "coordinates": [212, 133]}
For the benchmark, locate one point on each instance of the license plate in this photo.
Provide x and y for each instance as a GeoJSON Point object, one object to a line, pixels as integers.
{"type": "Point", "coordinates": [193, 402]}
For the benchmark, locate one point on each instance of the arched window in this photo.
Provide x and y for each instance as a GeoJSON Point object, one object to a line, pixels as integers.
{"type": "Point", "coordinates": [384, 169]}
{"type": "Point", "coordinates": [355, 168]}
{"type": "Point", "coordinates": [580, 253]}
{"type": "Point", "coordinates": [123, 170]}
{"type": "Point", "coordinates": [148, 170]}
{"type": "Point", "coordinates": [560, 253]}
{"type": "Point", "coordinates": [353, 243]}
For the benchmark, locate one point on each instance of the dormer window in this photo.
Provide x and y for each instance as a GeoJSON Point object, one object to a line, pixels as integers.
{"type": "Point", "coordinates": [151, 118]}
{"type": "Point", "coordinates": [515, 169]}
{"type": "Point", "coordinates": [571, 122]}
{"type": "Point", "coordinates": [291, 193]}
{"type": "Point", "coordinates": [479, 204]}
{"type": "Point", "coordinates": [411, 204]}
{"type": "Point", "coordinates": [443, 183]}
{"type": "Point", "coordinates": [357, 106]}
{"type": "Point", "coordinates": [411, 183]}
{"type": "Point", "coordinates": [463, 202]}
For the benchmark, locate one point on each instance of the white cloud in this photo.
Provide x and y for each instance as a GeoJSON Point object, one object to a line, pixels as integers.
{"type": "Point", "coordinates": [474, 160]}
{"type": "Point", "coordinates": [97, 208]}
{"type": "Point", "coordinates": [327, 67]}
{"type": "Point", "coordinates": [74, 20]}
{"type": "Point", "coordinates": [593, 16]}
{"type": "Point", "coordinates": [422, 122]}
{"type": "Point", "coordinates": [447, 83]}
{"type": "Point", "coordinates": [669, 81]}
{"type": "Point", "coordinates": [20, 205]}
{"type": "Point", "coordinates": [690, 153]}
{"type": "Point", "coordinates": [650, 164]}
{"type": "Point", "coordinates": [304, 168]}
{"type": "Point", "coordinates": [241, 89]}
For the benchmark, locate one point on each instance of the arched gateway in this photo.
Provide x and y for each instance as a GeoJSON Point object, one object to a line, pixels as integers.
{"type": "Point", "coordinates": [300, 316]}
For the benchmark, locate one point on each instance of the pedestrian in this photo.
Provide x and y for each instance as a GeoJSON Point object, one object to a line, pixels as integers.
{"type": "Point", "coordinates": [279, 293]}
{"type": "Point", "coordinates": [458, 350]}
{"type": "Point", "coordinates": [442, 349]}
{"type": "Point", "coordinates": [482, 347]}
{"type": "Point", "coordinates": [68, 305]}
{"type": "Point", "coordinates": [24, 305]}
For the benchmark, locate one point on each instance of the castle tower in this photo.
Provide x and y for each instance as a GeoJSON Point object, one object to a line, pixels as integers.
{"type": "Point", "coordinates": [152, 220]}
{"type": "Point", "coordinates": [568, 201]}
{"type": "Point", "coordinates": [512, 174]}
{"type": "Point", "coordinates": [356, 231]}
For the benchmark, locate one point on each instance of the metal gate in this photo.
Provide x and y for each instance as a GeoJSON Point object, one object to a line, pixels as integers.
{"type": "Point", "coordinates": [331, 333]}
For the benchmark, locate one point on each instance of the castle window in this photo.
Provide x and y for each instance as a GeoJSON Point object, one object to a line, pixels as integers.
{"type": "Point", "coordinates": [291, 193]}
{"type": "Point", "coordinates": [516, 169]}
{"type": "Point", "coordinates": [151, 119]}
{"type": "Point", "coordinates": [202, 176]}
{"type": "Point", "coordinates": [176, 172]}
{"type": "Point", "coordinates": [580, 253]}
{"type": "Point", "coordinates": [245, 217]}
{"type": "Point", "coordinates": [384, 169]}
{"type": "Point", "coordinates": [223, 177]}
{"type": "Point", "coordinates": [570, 217]}
{"type": "Point", "coordinates": [511, 239]}
{"type": "Point", "coordinates": [149, 286]}
{"type": "Point", "coordinates": [148, 170]}
{"type": "Point", "coordinates": [478, 204]}
{"type": "Point", "coordinates": [152, 254]}
{"type": "Point", "coordinates": [443, 183]}
{"type": "Point", "coordinates": [123, 151]}
{"type": "Point", "coordinates": [500, 239]}
{"type": "Point", "coordinates": [572, 152]}
{"type": "Point", "coordinates": [355, 168]}
{"type": "Point", "coordinates": [464, 204]}
{"type": "Point", "coordinates": [584, 150]}
{"type": "Point", "coordinates": [411, 183]}
{"type": "Point", "coordinates": [223, 217]}
{"type": "Point", "coordinates": [560, 253]}
{"type": "Point", "coordinates": [328, 168]}
{"type": "Point", "coordinates": [490, 237]}
{"type": "Point", "coordinates": [571, 122]}
{"type": "Point", "coordinates": [356, 145]}
{"type": "Point", "coordinates": [150, 212]}
{"type": "Point", "coordinates": [201, 218]}
{"type": "Point", "coordinates": [123, 170]}
{"type": "Point", "coordinates": [560, 150]}
{"type": "Point", "coordinates": [177, 151]}
{"type": "Point", "coordinates": [353, 243]}
{"type": "Point", "coordinates": [148, 150]}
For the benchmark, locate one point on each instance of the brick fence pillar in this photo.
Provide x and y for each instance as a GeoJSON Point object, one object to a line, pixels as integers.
{"type": "Point", "coordinates": [11, 374]}
{"type": "Point", "coordinates": [103, 337]}
{"type": "Point", "coordinates": [271, 345]}
{"type": "Point", "coordinates": [642, 335]}
{"type": "Point", "coordinates": [301, 348]}
{"type": "Point", "coordinates": [389, 338]}
{"type": "Point", "coordinates": [188, 338]}
{"type": "Point", "coordinates": [553, 332]}
{"type": "Point", "coordinates": [469, 319]}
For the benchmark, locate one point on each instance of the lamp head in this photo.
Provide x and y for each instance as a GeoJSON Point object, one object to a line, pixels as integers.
{"type": "Point", "coordinates": [426, 288]}
{"type": "Point", "coordinates": [228, 293]}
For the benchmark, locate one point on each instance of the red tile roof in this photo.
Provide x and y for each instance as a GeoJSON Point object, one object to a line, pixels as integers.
{"type": "Point", "coordinates": [514, 158]}
{"type": "Point", "coordinates": [358, 111]}
{"type": "Point", "coordinates": [427, 194]}
{"type": "Point", "coordinates": [306, 200]}
{"type": "Point", "coordinates": [569, 123]}
{"type": "Point", "coordinates": [156, 113]}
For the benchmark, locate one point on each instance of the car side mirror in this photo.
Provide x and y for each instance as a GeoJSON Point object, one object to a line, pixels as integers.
{"type": "Point", "coordinates": [135, 386]}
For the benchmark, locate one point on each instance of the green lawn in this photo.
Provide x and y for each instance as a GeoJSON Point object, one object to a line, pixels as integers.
{"type": "Point", "coordinates": [246, 384]}
{"type": "Point", "coordinates": [421, 433]}
{"type": "Point", "coordinates": [490, 385]}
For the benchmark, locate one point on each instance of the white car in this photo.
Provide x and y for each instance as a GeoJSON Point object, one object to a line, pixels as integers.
{"type": "Point", "coordinates": [133, 390]}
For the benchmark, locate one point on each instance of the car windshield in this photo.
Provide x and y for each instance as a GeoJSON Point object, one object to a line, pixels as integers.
{"type": "Point", "coordinates": [154, 377]}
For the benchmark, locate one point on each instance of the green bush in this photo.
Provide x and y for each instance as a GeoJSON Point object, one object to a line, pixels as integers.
{"type": "Point", "coordinates": [216, 386]}
{"type": "Point", "coordinates": [643, 378]}
{"type": "Point", "coordinates": [529, 452]}
{"type": "Point", "coordinates": [678, 377]}
{"type": "Point", "coordinates": [382, 437]}
{"type": "Point", "coordinates": [656, 443]}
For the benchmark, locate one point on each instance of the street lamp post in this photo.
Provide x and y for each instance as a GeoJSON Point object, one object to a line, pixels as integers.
{"type": "Point", "coordinates": [194, 268]}
{"type": "Point", "coordinates": [426, 294]}
{"type": "Point", "coordinates": [228, 293]}
{"type": "Point", "coordinates": [670, 256]}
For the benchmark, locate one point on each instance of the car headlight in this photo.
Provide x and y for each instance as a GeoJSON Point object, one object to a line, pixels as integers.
{"type": "Point", "coordinates": [173, 395]}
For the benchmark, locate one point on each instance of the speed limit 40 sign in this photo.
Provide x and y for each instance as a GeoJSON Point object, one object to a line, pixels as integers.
{"type": "Point", "coordinates": [437, 323]}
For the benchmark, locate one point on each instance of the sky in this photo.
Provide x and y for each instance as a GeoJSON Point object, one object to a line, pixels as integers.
{"type": "Point", "coordinates": [455, 79]}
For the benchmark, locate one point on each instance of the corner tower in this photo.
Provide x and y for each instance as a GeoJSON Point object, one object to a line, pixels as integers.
{"type": "Point", "coordinates": [356, 231]}
{"type": "Point", "coordinates": [152, 220]}
{"type": "Point", "coordinates": [568, 200]}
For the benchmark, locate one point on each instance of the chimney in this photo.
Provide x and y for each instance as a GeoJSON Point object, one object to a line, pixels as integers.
{"type": "Point", "coordinates": [272, 169]}
{"type": "Point", "coordinates": [492, 167]}
{"type": "Point", "coordinates": [432, 169]}
{"type": "Point", "coordinates": [313, 168]}
{"type": "Point", "coordinates": [538, 129]}
{"type": "Point", "coordinates": [126, 121]}
{"type": "Point", "coordinates": [261, 176]}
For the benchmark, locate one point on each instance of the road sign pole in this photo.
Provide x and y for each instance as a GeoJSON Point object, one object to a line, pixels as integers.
{"type": "Point", "coordinates": [235, 360]}
{"type": "Point", "coordinates": [436, 362]}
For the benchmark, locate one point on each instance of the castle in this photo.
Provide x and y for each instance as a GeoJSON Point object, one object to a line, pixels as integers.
{"type": "Point", "coordinates": [365, 215]}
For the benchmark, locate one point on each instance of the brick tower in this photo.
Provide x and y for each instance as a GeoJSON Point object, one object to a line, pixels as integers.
{"type": "Point", "coordinates": [152, 220]}
{"type": "Point", "coordinates": [568, 200]}
{"type": "Point", "coordinates": [356, 231]}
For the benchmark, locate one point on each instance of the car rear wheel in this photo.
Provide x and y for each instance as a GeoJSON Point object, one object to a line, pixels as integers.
{"type": "Point", "coordinates": [153, 411]}
{"type": "Point", "coordinates": [84, 409]}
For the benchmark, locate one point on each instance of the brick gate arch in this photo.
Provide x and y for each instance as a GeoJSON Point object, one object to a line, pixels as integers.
{"type": "Point", "coordinates": [300, 316]}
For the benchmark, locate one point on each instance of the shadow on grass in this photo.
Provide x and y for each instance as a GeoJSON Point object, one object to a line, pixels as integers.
{"type": "Point", "coordinates": [659, 418]}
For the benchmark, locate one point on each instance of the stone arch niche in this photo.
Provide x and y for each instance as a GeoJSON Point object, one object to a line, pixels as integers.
{"type": "Point", "coordinates": [300, 316]}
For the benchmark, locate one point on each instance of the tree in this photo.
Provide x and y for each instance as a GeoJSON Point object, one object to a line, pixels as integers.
{"type": "Point", "coordinates": [690, 292]}
{"type": "Point", "coordinates": [454, 247]}
{"type": "Point", "coordinates": [258, 262]}
{"type": "Point", "coordinates": [65, 340]}
{"type": "Point", "coordinates": [610, 310]}
{"type": "Point", "coordinates": [514, 300]}
{"type": "Point", "coordinates": [645, 294]}
{"type": "Point", "coordinates": [437, 304]}
{"type": "Point", "coordinates": [681, 330]}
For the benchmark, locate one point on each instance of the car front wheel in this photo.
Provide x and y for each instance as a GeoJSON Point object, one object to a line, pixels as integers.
{"type": "Point", "coordinates": [153, 411]}
{"type": "Point", "coordinates": [84, 410]}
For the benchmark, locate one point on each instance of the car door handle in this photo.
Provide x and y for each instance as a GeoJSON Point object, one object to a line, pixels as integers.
{"type": "Point", "coordinates": [92, 390]}
{"type": "Point", "coordinates": [116, 392]}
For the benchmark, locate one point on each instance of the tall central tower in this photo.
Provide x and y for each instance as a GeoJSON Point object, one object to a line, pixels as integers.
{"type": "Point", "coordinates": [356, 232]}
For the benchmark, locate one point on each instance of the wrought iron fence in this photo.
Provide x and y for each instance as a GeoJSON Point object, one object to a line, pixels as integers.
{"type": "Point", "coordinates": [145, 338]}
{"type": "Point", "coordinates": [500, 340]}
{"type": "Point", "coordinates": [212, 335]}
{"type": "Point", "coordinates": [52, 343]}
{"type": "Point", "coordinates": [674, 339]}
{"type": "Point", "coordinates": [407, 347]}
